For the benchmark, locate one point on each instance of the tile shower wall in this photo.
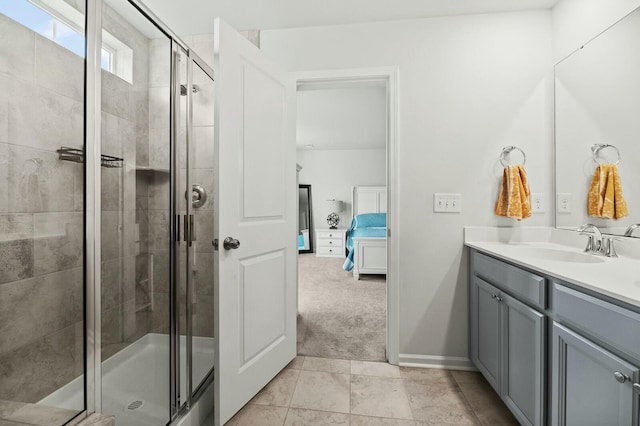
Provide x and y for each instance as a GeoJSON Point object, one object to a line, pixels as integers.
{"type": "Point", "coordinates": [41, 218]}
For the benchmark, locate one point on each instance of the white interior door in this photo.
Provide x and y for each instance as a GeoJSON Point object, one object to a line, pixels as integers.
{"type": "Point", "coordinates": [255, 203]}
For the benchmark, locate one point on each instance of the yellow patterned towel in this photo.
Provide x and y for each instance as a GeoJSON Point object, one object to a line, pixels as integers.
{"type": "Point", "coordinates": [514, 200]}
{"type": "Point", "coordinates": [605, 195]}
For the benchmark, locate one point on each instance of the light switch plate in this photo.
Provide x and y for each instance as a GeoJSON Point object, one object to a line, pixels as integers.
{"type": "Point", "coordinates": [447, 203]}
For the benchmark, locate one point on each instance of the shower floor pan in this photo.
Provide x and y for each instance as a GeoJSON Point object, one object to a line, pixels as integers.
{"type": "Point", "coordinates": [135, 381]}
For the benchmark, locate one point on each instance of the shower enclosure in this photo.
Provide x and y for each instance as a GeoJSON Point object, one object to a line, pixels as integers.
{"type": "Point", "coordinates": [106, 214]}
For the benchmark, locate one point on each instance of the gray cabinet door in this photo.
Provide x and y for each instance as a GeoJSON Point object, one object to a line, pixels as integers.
{"type": "Point", "coordinates": [486, 324]}
{"type": "Point", "coordinates": [523, 355]}
{"type": "Point", "coordinates": [584, 389]}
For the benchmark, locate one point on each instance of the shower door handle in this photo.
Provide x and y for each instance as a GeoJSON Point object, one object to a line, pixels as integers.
{"type": "Point", "coordinates": [189, 229]}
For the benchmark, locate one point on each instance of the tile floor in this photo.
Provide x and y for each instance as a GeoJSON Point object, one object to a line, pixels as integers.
{"type": "Point", "coordinates": [322, 391]}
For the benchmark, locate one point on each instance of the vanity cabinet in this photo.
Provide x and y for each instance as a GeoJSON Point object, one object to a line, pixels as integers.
{"type": "Point", "coordinates": [508, 341]}
{"type": "Point", "coordinates": [590, 385]}
{"type": "Point", "coordinates": [557, 354]}
{"type": "Point", "coordinates": [584, 370]}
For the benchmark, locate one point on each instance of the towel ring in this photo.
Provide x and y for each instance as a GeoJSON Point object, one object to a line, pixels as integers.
{"type": "Point", "coordinates": [507, 151]}
{"type": "Point", "coordinates": [595, 149]}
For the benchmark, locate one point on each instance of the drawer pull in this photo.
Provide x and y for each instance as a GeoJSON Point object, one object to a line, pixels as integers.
{"type": "Point", "coordinates": [620, 377]}
{"type": "Point", "coordinates": [636, 387]}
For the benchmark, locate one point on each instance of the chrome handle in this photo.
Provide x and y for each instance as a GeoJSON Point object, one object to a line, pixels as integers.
{"type": "Point", "coordinates": [499, 299]}
{"type": "Point", "coordinates": [621, 377]}
{"type": "Point", "coordinates": [608, 249]}
{"type": "Point", "coordinates": [496, 297]}
{"type": "Point", "coordinates": [230, 243]}
{"type": "Point", "coordinates": [198, 196]}
{"type": "Point", "coordinates": [636, 387]}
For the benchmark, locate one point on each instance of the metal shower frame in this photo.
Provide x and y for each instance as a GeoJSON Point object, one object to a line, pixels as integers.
{"type": "Point", "coordinates": [93, 237]}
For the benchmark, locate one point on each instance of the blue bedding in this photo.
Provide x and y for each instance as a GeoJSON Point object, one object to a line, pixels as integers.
{"type": "Point", "coordinates": [364, 225]}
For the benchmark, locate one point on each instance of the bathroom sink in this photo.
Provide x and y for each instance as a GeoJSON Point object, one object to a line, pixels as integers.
{"type": "Point", "coordinates": [546, 253]}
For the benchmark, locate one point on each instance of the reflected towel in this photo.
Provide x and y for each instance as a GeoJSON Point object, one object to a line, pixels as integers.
{"type": "Point", "coordinates": [514, 200]}
{"type": "Point", "coordinates": [605, 194]}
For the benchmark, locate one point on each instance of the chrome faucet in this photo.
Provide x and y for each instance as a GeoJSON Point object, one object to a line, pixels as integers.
{"type": "Point", "coordinates": [594, 244]}
{"type": "Point", "coordinates": [608, 249]}
{"type": "Point", "coordinates": [630, 229]}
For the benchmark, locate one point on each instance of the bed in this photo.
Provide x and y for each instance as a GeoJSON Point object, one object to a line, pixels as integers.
{"type": "Point", "coordinates": [367, 234]}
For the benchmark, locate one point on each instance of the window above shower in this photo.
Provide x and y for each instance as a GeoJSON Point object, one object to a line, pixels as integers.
{"type": "Point", "coordinates": [62, 23]}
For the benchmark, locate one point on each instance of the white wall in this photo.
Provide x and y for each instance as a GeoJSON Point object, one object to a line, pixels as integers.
{"type": "Point", "coordinates": [575, 22]}
{"type": "Point", "coordinates": [469, 85]}
{"type": "Point", "coordinates": [345, 117]}
{"type": "Point", "coordinates": [332, 174]}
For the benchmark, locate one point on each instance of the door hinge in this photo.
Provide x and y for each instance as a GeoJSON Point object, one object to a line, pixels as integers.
{"type": "Point", "coordinates": [215, 244]}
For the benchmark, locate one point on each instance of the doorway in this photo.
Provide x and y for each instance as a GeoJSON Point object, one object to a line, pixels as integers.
{"type": "Point", "coordinates": [346, 147]}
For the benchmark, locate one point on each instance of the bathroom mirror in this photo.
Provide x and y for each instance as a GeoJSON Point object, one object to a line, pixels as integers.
{"type": "Point", "coordinates": [597, 101]}
{"type": "Point", "coordinates": [305, 232]}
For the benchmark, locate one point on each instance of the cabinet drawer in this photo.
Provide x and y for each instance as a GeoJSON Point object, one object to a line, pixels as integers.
{"type": "Point", "coordinates": [328, 235]}
{"type": "Point", "coordinates": [328, 251]}
{"type": "Point", "coordinates": [609, 323]}
{"type": "Point", "coordinates": [526, 286]}
{"type": "Point", "coordinates": [334, 242]}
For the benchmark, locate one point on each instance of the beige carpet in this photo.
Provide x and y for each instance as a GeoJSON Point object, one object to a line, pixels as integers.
{"type": "Point", "coordinates": [339, 317]}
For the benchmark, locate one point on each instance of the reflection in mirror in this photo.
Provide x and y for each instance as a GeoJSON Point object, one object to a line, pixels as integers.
{"type": "Point", "coordinates": [305, 232]}
{"type": "Point", "coordinates": [597, 101]}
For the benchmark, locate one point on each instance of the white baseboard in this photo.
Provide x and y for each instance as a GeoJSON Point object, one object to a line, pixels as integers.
{"type": "Point", "coordinates": [433, 361]}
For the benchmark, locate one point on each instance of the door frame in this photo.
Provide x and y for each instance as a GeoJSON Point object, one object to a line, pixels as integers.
{"type": "Point", "coordinates": [390, 76]}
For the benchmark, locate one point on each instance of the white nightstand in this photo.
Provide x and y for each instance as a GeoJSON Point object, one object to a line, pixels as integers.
{"type": "Point", "coordinates": [330, 242]}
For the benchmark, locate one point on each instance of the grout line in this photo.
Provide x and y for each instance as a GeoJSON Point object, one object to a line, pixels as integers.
{"type": "Point", "coordinates": [404, 386]}
{"type": "Point", "coordinates": [295, 387]}
{"type": "Point", "coordinates": [284, 421]}
{"type": "Point", "coordinates": [350, 399]}
{"type": "Point", "coordinates": [466, 400]}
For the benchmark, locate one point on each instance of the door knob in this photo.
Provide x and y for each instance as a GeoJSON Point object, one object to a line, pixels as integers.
{"type": "Point", "coordinates": [636, 387]}
{"type": "Point", "coordinates": [620, 377]}
{"type": "Point", "coordinates": [230, 243]}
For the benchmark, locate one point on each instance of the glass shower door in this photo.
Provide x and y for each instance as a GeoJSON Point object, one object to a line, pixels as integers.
{"type": "Point", "coordinates": [195, 193]}
{"type": "Point", "coordinates": [202, 180]}
{"type": "Point", "coordinates": [136, 216]}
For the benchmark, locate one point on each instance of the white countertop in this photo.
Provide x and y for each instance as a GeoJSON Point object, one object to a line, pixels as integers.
{"type": "Point", "coordinates": [618, 278]}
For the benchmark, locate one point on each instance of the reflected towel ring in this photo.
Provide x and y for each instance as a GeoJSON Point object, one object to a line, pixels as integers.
{"type": "Point", "coordinates": [596, 148]}
{"type": "Point", "coordinates": [507, 151]}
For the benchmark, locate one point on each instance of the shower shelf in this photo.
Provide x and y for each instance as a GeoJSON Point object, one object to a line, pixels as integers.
{"type": "Point", "coordinates": [150, 170]}
{"type": "Point", "coordinates": [77, 156]}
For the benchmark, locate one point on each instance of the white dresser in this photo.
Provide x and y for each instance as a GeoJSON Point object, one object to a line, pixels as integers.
{"type": "Point", "coordinates": [330, 242]}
